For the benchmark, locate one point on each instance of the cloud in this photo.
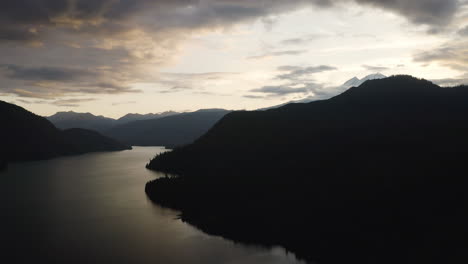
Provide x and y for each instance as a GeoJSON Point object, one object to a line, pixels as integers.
{"type": "Point", "coordinates": [128, 35]}
{"type": "Point", "coordinates": [280, 90]}
{"type": "Point", "coordinates": [430, 12]}
{"type": "Point", "coordinates": [375, 68]}
{"type": "Point", "coordinates": [295, 81]}
{"type": "Point", "coordinates": [21, 18]}
{"type": "Point", "coordinates": [253, 96]}
{"type": "Point", "coordinates": [452, 82]}
{"type": "Point", "coordinates": [310, 90]}
{"type": "Point", "coordinates": [463, 32]}
{"type": "Point", "coordinates": [299, 72]}
{"type": "Point", "coordinates": [195, 82]}
{"type": "Point", "coordinates": [72, 102]}
{"type": "Point", "coordinates": [124, 103]}
{"type": "Point", "coordinates": [277, 54]}
{"type": "Point", "coordinates": [453, 55]}
{"type": "Point", "coordinates": [47, 82]}
{"type": "Point", "coordinates": [303, 40]}
{"type": "Point", "coordinates": [44, 73]}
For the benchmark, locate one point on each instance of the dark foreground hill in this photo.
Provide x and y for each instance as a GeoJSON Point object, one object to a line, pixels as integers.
{"type": "Point", "coordinates": [3, 163]}
{"type": "Point", "coordinates": [374, 175]}
{"type": "Point", "coordinates": [25, 136]}
{"type": "Point", "coordinates": [174, 130]}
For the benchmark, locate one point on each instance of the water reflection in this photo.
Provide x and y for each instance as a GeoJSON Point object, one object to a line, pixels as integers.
{"type": "Point", "coordinates": [93, 209]}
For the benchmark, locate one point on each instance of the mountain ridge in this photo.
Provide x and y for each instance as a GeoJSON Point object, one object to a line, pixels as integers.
{"type": "Point", "coordinates": [376, 173]}
{"type": "Point", "coordinates": [27, 136]}
{"type": "Point", "coordinates": [169, 131]}
{"type": "Point", "coordinates": [71, 119]}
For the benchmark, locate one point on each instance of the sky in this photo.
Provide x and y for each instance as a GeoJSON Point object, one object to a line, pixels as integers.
{"type": "Point", "coordinates": [113, 57]}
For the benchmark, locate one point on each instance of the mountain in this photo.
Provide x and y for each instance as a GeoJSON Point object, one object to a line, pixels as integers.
{"type": "Point", "coordinates": [66, 120]}
{"type": "Point", "coordinates": [137, 117]}
{"type": "Point", "coordinates": [84, 141]}
{"type": "Point", "coordinates": [167, 131]}
{"type": "Point", "coordinates": [353, 82]}
{"type": "Point", "coordinates": [137, 129]}
{"type": "Point", "coordinates": [376, 174]}
{"type": "Point", "coordinates": [3, 163]}
{"type": "Point", "coordinates": [26, 136]}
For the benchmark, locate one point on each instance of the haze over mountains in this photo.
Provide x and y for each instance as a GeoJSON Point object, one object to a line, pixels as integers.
{"type": "Point", "coordinates": [26, 136]}
{"type": "Point", "coordinates": [376, 173]}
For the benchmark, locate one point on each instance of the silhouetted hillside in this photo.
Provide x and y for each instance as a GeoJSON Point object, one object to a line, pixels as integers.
{"type": "Point", "coordinates": [3, 163]}
{"type": "Point", "coordinates": [168, 131]}
{"type": "Point", "coordinates": [374, 175]}
{"type": "Point", "coordinates": [84, 141]}
{"type": "Point", "coordinates": [26, 136]}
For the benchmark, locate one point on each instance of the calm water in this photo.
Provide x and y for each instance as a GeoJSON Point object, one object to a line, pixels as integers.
{"type": "Point", "coordinates": [93, 209]}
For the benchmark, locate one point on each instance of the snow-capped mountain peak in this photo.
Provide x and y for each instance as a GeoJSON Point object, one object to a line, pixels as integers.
{"type": "Point", "coordinates": [354, 82]}
{"type": "Point", "coordinates": [374, 76]}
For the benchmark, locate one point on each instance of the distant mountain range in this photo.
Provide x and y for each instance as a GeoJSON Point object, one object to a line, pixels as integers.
{"type": "Point", "coordinates": [376, 174]}
{"type": "Point", "coordinates": [65, 120]}
{"type": "Point", "coordinates": [138, 117]}
{"type": "Point", "coordinates": [25, 136]}
{"type": "Point", "coordinates": [169, 131]}
{"type": "Point", "coordinates": [164, 129]}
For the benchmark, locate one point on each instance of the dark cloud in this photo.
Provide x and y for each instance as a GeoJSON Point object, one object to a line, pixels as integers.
{"type": "Point", "coordinates": [375, 68]}
{"type": "Point", "coordinates": [299, 72]}
{"type": "Point", "coordinates": [81, 15]}
{"type": "Point", "coordinates": [18, 33]}
{"type": "Point", "coordinates": [45, 73]}
{"type": "Point", "coordinates": [277, 54]}
{"type": "Point", "coordinates": [51, 82]}
{"type": "Point", "coordinates": [128, 35]}
{"type": "Point", "coordinates": [429, 12]}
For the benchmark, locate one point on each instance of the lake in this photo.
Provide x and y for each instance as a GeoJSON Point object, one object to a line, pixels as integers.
{"type": "Point", "coordinates": [93, 209]}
